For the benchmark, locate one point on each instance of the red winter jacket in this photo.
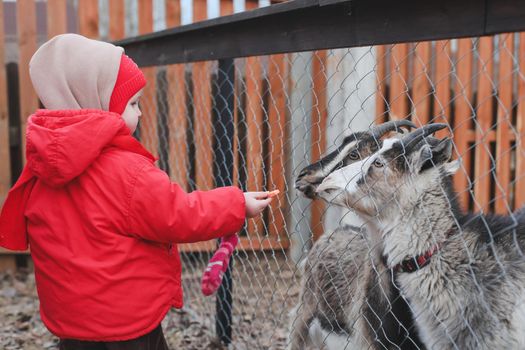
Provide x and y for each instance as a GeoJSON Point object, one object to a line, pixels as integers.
{"type": "Point", "coordinates": [101, 220]}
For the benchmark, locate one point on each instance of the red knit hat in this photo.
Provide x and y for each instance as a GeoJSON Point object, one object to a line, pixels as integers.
{"type": "Point", "coordinates": [130, 80]}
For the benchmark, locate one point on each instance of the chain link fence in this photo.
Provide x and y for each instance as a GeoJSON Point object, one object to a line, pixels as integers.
{"type": "Point", "coordinates": [289, 110]}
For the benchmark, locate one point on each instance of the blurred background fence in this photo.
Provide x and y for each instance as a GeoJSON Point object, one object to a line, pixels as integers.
{"type": "Point", "coordinates": [294, 79]}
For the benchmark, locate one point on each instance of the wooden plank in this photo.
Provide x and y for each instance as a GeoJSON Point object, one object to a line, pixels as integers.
{"type": "Point", "coordinates": [177, 117]}
{"type": "Point", "coordinates": [202, 122]}
{"type": "Point", "coordinates": [245, 244]}
{"type": "Point", "coordinates": [319, 123]}
{"type": "Point", "coordinates": [13, 252]}
{"type": "Point", "coordinates": [277, 127]}
{"type": "Point", "coordinates": [381, 113]}
{"type": "Point", "coordinates": [178, 123]}
{"type": "Point", "coordinates": [56, 18]}
{"type": "Point", "coordinates": [226, 7]}
{"type": "Point", "coordinates": [237, 151]}
{"type": "Point", "coordinates": [442, 86]}
{"type": "Point", "coordinates": [421, 83]}
{"type": "Point", "coordinates": [5, 160]}
{"type": "Point", "coordinates": [398, 81]}
{"type": "Point", "coordinates": [148, 126]}
{"type": "Point", "coordinates": [173, 13]}
{"type": "Point", "coordinates": [88, 18]}
{"type": "Point", "coordinates": [482, 168]}
{"type": "Point", "coordinates": [463, 108]}
{"type": "Point", "coordinates": [264, 243]}
{"type": "Point", "coordinates": [26, 27]}
{"type": "Point", "coordinates": [254, 119]}
{"type": "Point", "coordinates": [520, 126]}
{"type": "Point", "coordinates": [116, 20]}
{"type": "Point", "coordinates": [503, 145]}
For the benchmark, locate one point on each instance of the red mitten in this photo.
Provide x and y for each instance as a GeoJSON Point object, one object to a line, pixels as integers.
{"type": "Point", "coordinates": [212, 277]}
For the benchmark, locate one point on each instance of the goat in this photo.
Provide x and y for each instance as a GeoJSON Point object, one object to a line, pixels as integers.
{"type": "Point", "coordinates": [462, 273]}
{"type": "Point", "coordinates": [347, 295]}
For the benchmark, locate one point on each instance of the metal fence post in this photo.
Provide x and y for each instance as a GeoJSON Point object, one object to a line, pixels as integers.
{"type": "Point", "coordinates": [223, 170]}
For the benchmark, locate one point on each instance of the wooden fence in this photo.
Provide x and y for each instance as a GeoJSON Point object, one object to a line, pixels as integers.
{"type": "Point", "coordinates": [188, 105]}
{"type": "Point", "coordinates": [471, 83]}
{"type": "Point", "coordinates": [477, 86]}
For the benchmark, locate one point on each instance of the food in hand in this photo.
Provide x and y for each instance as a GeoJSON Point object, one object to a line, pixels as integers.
{"type": "Point", "coordinates": [273, 193]}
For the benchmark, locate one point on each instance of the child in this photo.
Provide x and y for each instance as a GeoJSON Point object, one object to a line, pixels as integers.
{"type": "Point", "coordinates": [102, 221]}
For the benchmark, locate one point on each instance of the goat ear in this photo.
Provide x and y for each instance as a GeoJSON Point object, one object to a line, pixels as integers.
{"type": "Point", "coordinates": [422, 158]}
{"type": "Point", "coordinates": [433, 155]}
{"type": "Point", "coordinates": [451, 168]}
{"type": "Point", "coordinates": [442, 152]}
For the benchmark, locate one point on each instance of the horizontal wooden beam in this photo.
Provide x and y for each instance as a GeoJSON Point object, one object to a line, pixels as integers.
{"type": "Point", "coordinates": [4, 251]}
{"type": "Point", "coordinates": [305, 25]}
{"type": "Point", "coordinates": [245, 244]}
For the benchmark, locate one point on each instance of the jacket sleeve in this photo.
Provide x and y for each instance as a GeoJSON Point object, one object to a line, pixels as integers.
{"type": "Point", "coordinates": [160, 210]}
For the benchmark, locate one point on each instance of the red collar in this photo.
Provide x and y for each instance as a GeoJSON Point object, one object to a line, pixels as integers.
{"type": "Point", "coordinates": [416, 262]}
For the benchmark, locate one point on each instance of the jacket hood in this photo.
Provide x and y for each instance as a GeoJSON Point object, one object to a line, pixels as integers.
{"type": "Point", "coordinates": [73, 72]}
{"type": "Point", "coordinates": [62, 144]}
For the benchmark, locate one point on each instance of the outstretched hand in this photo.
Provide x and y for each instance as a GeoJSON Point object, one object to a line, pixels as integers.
{"type": "Point", "coordinates": [256, 202]}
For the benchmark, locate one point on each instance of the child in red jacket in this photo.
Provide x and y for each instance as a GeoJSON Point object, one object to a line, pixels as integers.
{"type": "Point", "coordinates": [102, 221]}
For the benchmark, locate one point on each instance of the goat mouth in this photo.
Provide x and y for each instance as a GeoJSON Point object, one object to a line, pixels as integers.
{"type": "Point", "coordinates": [307, 190]}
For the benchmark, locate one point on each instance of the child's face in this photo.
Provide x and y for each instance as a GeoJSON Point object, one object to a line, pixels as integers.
{"type": "Point", "coordinates": [132, 112]}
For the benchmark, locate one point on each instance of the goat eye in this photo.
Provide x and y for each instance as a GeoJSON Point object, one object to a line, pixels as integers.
{"type": "Point", "coordinates": [354, 155]}
{"type": "Point", "coordinates": [378, 163]}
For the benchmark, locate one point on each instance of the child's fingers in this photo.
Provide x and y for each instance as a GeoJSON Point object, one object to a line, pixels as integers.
{"type": "Point", "coordinates": [264, 203]}
{"type": "Point", "coordinates": [259, 195]}
{"type": "Point", "coordinates": [265, 195]}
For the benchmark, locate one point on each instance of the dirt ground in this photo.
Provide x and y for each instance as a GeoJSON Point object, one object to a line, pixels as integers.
{"type": "Point", "coordinates": [265, 289]}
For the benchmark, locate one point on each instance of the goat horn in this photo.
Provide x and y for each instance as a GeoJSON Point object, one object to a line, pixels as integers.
{"type": "Point", "coordinates": [379, 130]}
{"type": "Point", "coordinates": [413, 139]}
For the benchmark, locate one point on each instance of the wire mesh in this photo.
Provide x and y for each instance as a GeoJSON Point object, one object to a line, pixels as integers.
{"type": "Point", "coordinates": [300, 255]}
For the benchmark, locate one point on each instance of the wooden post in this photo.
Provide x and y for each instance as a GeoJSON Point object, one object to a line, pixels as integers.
{"type": "Point", "coordinates": [116, 19]}
{"type": "Point", "coordinates": [56, 18]}
{"type": "Point", "coordinates": [463, 134]}
{"type": "Point", "coordinates": [421, 84]}
{"type": "Point", "coordinates": [503, 132]}
{"type": "Point", "coordinates": [148, 129]}
{"type": "Point", "coordinates": [482, 171]}
{"type": "Point", "coordinates": [5, 160]}
{"type": "Point", "coordinates": [254, 118]}
{"type": "Point", "coordinates": [178, 114]}
{"type": "Point", "coordinates": [88, 18]}
{"type": "Point", "coordinates": [202, 119]}
{"type": "Point", "coordinates": [319, 121]}
{"type": "Point", "coordinates": [520, 141]}
{"type": "Point", "coordinates": [26, 26]}
{"type": "Point", "coordinates": [442, 86]}
{"type": "Point", "coordinates": [398, 81]}
{"type": "Point", "coordinates": [277, 118]}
